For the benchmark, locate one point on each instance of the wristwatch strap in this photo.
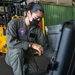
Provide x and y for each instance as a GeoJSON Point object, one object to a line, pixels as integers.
{"type": "Point", "coordinates": [31, 44]}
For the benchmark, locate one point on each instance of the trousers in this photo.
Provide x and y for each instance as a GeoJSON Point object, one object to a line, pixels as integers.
{"type": "Point", "coordinates": [15, 58]}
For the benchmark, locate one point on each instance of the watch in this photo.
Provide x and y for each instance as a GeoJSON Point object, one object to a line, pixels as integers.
{"type": "Point", "coordinates": [31, 44]}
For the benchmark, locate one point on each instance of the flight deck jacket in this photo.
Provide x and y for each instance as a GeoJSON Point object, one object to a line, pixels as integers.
{"type": "Point", "coordinates": [19, 35]}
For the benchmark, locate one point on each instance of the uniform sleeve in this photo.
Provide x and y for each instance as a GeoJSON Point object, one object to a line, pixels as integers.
{"type": "Point", "coordinates": [41, 39]}
{"type": "Point", "coordinates": [12, 40]}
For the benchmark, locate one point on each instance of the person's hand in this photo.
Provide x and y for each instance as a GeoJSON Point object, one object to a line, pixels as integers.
{"type": "Point", "coordinates": [38, 47]}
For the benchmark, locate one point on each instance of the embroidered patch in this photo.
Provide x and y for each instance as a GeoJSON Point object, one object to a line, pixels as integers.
{"type": "Point", "coordinates": [22, 31]}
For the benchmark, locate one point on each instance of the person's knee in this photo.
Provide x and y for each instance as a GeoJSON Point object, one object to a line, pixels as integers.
{"type": "Point", "coordinates": [13, 56]}
{"type": "Point", "coordinates": [16, 53]}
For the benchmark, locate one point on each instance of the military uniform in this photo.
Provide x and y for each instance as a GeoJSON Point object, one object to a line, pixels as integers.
{"type": "Point", "coordinates": [18, 37]}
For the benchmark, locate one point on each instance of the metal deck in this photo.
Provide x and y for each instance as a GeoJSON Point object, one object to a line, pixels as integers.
{"type": "Point", "coordinates": [4, 68]}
